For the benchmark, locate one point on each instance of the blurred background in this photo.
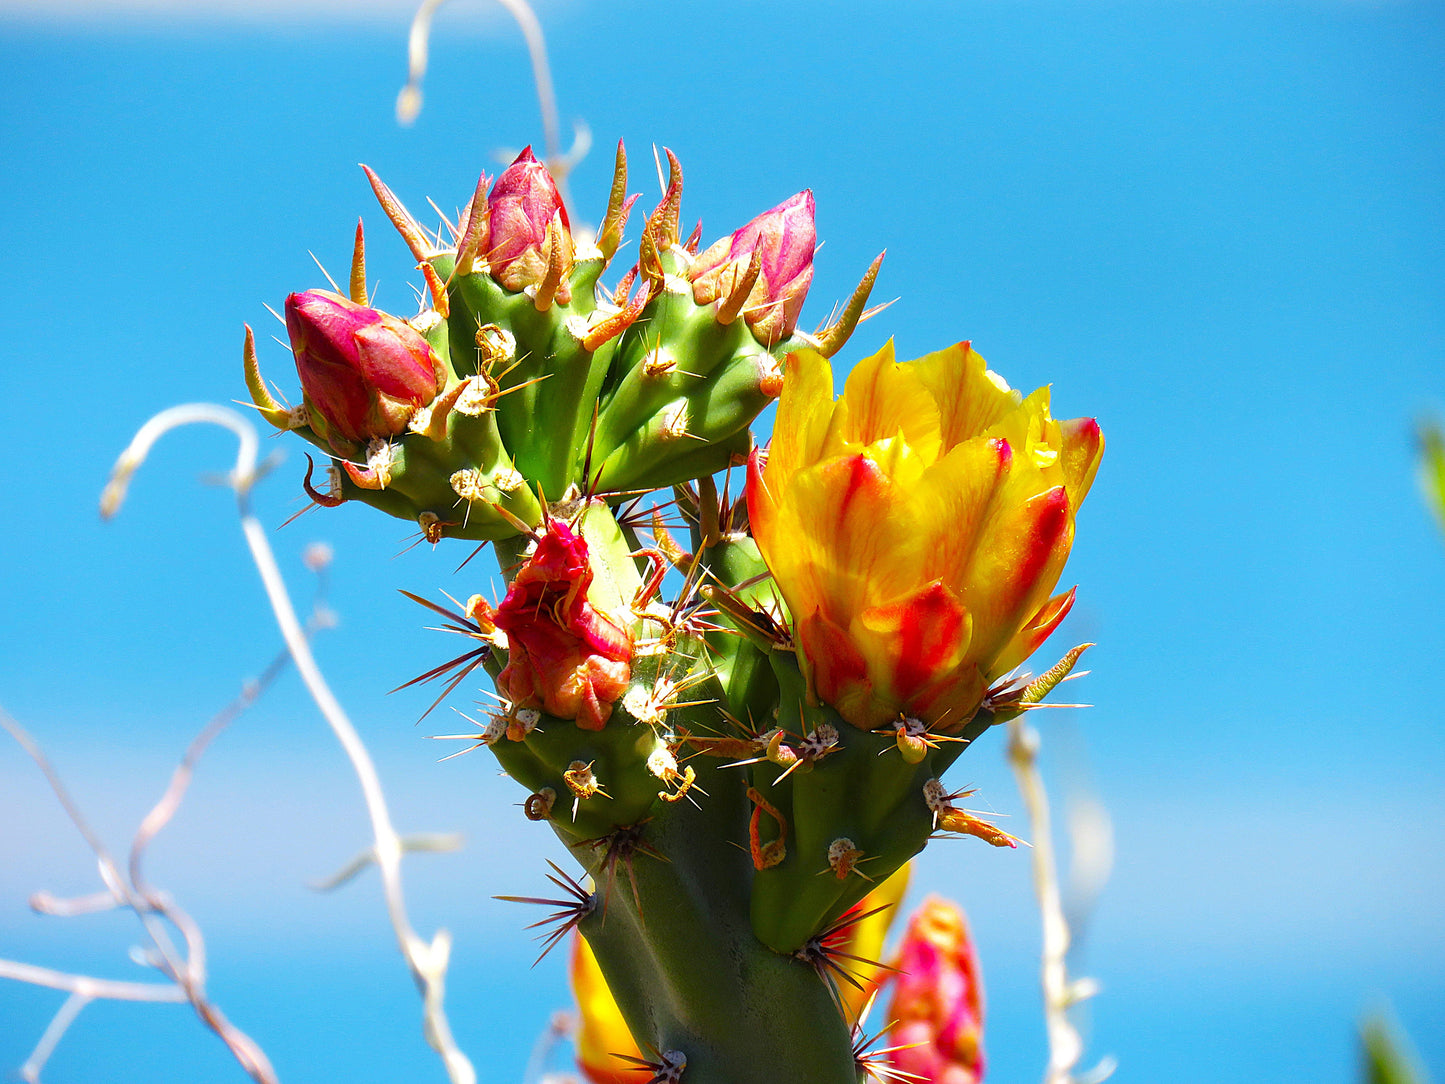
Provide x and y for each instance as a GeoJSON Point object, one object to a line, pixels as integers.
{"type": "Point", "coordinates": [1217, 226]}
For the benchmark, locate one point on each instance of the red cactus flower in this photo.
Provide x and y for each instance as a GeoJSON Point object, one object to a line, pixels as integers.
{"type": "Point", "coordinates": [564, 655]}
{"type": "Point", "coordinates": [938, 999]}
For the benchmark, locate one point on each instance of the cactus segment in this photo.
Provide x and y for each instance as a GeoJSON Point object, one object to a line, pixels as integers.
{"type": "Point", "coordinates": [616, 579]}
{"type": "Point", "coordinates": [613, 397]}
{"type": "Point", "coordinates": [860, 791]}
{"type": "Point", "coordinates": [749, 688]}
{"type": "Point", "coordinates": [672, 938]}
{"type": "Point", "coordinates": [623, 790]}
{"type": "Point", "coordinates": [550, 380]}
{"type": "Point", "coordinates": [671, 349]}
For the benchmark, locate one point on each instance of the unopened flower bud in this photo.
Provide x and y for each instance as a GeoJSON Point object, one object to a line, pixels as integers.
{"type": "Point", "coordinates": [528, 227]}
{"type": "Point", "coordinates": [363, 371]}
{"type": "Point", "coordinates": [784, 238]}
{"type": "Point", "coordinates": [938, 1000]}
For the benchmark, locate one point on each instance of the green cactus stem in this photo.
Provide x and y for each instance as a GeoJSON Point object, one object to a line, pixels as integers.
{"type": "Point", "coordinates": [672, 936]}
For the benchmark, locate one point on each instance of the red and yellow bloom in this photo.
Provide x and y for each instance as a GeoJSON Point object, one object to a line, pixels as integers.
{"type": "Point", "coordinates": [916, 528]}
{"type": "Point", "coordinates": [565, 655]}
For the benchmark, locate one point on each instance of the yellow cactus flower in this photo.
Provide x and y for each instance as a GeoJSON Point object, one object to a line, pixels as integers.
{"type": "Point", "coordinates": [862, 941]}
{"type": "Point", "coordinates": [601, 1030]}
{"type": "Point", "coordinates": [916, 528]}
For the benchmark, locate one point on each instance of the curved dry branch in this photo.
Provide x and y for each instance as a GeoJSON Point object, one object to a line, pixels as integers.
{"type": "Point", "coordinates": [427, 961]}
{"type": "Point", "coordinates": [409, 100]}
{"type": "Point", "coordinates": [1060, 992]}
{"type": "Point", "coordinates": [187, 971]}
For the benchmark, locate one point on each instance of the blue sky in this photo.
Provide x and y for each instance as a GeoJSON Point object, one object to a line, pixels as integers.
{"type": "Point", "coordinates": [1218, 227]}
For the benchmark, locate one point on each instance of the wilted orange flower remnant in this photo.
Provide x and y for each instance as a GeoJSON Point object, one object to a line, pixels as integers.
{"type": "Point", "coordinates": [938, 999]}
{"type": "Point", "coordinates": [564, 655]}
{"type": "Point", "coordinates": [916, 528]}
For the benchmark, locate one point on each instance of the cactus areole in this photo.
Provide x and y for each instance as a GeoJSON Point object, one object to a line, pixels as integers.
{"type": "Point", "coordinates": [734, 709]}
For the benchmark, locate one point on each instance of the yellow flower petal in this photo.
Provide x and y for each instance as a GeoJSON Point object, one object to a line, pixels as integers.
{"type": "Point", "coordinates": [804, 412]}
{"type": "Point", "coordinates": [887, 401]}
{"type": "Point", "coordinates": [1020, 556]}
{"type": "Point", "coordinates": [916, 528]}
{"type": "Point", "coordinates": [602, 1031]}
{"type": "Point", "coordinates": [970, 398]}
{"type": "Point", "coordinates": [1083, 448]}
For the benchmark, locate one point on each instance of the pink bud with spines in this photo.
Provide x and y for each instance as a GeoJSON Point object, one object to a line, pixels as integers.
{"type": "Point", "coordinates": [528, 228]}
{"type": "Point", "coordinates": [364, 372]}
{"type": "Point", "coordinates": [783, 240]}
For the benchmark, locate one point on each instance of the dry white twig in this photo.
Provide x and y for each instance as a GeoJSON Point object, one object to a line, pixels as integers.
{"type": "Point", "coordinates": [427, 961]}
{"type": "Point", "coordinates": [170, 801]}
{"type": "Point", "coordinates": [408, 102]}
{"type": "Point", "coordinates": [84, 989]}
{"type": "Point", "coordinates": [562, 1026]}
{"type": "Point", "coordinates": [1060, 992]}
{"type": "Point", "coordinates": [421, 843]}
{"type": "Point", "coordinates": [186, 971]}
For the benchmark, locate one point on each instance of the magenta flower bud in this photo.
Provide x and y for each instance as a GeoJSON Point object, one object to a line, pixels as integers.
{"type": "Point", "coordinates": [784, 238]}
{"type": "Point", "coordinates": [937, 1009]}
{"type": "Point", "coordinates": [364, 372]}
{"type": "Point", "coordinates": [528, 230]}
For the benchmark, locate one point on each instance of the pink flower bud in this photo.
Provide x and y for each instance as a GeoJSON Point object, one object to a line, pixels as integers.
{"type": "Point", "coordinates": [564, 655]}
{"type": "Point", "coordinates": [363, 371]}
{"type": "Point", "coordinates": [938, 999]}
{"type": "Point", "coordinates": [785, 238]}
{"type": "Point", "coordinates": [527, 227]}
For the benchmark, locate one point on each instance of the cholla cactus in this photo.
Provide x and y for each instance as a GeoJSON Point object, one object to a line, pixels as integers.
{"type": "Point", "coordinates": [738, 765]}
